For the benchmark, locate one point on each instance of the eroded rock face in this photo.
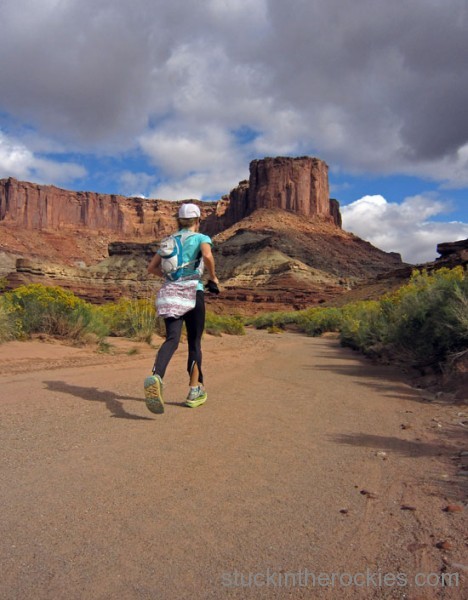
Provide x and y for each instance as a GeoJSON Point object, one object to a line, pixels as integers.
{"type": "Point", "coordinates": [298, 185]}
{"type": "Point", "coordinates": [453, 253]}
{"type": "Point", "coordinates": [28, 206]}
{"type": "Point", "coordinates": [289, 250]}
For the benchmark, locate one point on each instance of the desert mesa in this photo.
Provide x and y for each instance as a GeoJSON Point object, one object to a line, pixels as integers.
{"type": "Point", "coordinates": [278, 239]}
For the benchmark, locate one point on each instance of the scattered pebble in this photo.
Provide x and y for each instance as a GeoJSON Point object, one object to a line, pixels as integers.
{"type": "Point", "coordinates": [370, 495]}
{"type": "Point", "coordinates": [407, 507]}
{"type": "Point", "coordinates": [453, 508]}
{"type": "Point", "coordinates": [405, 426]}
{"type": "Point", "coordinates": [445, 545]}
{"type": "Point", "coordinates": [344, 511]}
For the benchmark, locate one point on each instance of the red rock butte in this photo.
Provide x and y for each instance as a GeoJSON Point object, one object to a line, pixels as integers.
{"type": "Point", "coordinates": [298, 185]}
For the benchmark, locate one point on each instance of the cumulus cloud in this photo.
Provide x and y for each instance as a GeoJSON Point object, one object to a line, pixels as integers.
{"type": "Point", "coordinates": [407, 228]}
{"type": "Point", "coordinates": [381, 86]}
{"type": "Point", "coordinates": [17, 160]}
{"type": "Point", "coordinates": [370, 86]}
{"type": "Point", "coordinates": [132, 183]}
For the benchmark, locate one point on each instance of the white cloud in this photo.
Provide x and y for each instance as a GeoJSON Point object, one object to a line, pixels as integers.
{"type": "Point", "coordinates": [133, 184]}
{"type": "Point", "coordinates": [405, 228]}
{"type": "Point", "coordinates": [370, 86]}
{"type": "Point", "coordinates": [17, 160]}
{"type": "Point", "coordinates": [197, 164]}
{"type": "Point", "coordinates": [203, 185]}
{"type": "Point", "coordinates": [179, 152]}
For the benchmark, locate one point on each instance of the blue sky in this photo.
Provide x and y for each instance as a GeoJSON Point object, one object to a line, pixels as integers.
{"type": "Point", "coordinates": [173, 99]}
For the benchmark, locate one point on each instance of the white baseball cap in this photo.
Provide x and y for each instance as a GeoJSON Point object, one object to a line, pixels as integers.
{"type": "Point", "coordinates": [189, 211]}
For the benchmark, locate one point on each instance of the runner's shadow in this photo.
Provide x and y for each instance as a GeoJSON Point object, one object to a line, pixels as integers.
{"type": "Point", "coordinates": [110, 399]}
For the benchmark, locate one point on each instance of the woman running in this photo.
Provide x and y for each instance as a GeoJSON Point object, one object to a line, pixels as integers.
{"type": "Point", "coordinates": [181, 300]}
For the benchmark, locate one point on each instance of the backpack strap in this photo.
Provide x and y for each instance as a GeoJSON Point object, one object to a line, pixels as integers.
{"type": "Point", "coordinates": [196, 265]}
{"type": "Point", "coordinates": [180, 240]}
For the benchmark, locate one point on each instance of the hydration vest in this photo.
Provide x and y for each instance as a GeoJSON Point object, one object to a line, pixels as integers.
{"type": "Point", "coordinates": [172, 265]}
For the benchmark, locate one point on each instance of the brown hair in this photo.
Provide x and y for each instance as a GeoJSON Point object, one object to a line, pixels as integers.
{"type": "Point", "coordinates": [185, 223]}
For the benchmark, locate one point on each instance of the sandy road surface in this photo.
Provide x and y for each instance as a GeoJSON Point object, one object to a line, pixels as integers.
{"type": "Point", "coordinates": [248, 496]}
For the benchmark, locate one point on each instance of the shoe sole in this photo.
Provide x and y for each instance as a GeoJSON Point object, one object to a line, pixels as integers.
{"type": "Point", "coordinates": [197, 402]}
{"type": "Point", "coordinates": [153, 395]}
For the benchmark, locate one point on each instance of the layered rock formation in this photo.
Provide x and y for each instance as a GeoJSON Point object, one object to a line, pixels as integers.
{"type": "Point", "coordinates": [271, 260]}
{"type": "Point", "coordinates": [275, 259]}
{"type": "Point", "coordinates": [31, 207]}
{"type": "Point", "coordinates": [121, 274]}
{"type": "Point", "coordinates": [278, 239]}
{"type": "Point", "coordinates": [453, 254]}
{"type": "Point", "coordinates": [298, 185]}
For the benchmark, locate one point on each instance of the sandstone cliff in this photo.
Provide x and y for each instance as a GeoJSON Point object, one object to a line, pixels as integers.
{"type": "Point", "coordinates": [271, 260]}
{"type": "Point", "coordinates": [298, 185]}
{"type": "Point", "coordinates": [278, 239]}
{"type": "Point", "coordinates": [32, 207]}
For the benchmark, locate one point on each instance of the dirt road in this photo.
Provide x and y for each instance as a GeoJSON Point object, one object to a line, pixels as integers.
{"type": "Point", "coordinates": [309, 473]}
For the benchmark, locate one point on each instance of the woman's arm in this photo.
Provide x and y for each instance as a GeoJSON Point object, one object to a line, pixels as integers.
{"type": "Point", "coordinates": [209, 261]}
{"type": "Point", "coordinates": [155, 266]}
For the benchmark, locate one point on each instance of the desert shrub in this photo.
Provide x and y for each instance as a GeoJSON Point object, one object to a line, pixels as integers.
{"type": "Point", "coordinates": [362, 325]}
{"type": "Point", "coordinates": [51, 310]}
{"type": "Point", "coordinates": [267, 320]}
{"type": "Point", "coordinates": [7, 323]}
{"type": "Point", "coordinates": [218, 324]}
{"type": "Point", "coordinates": [422, 323]}
{"type": "Point", "coordinates": [427, 317]}
{"type": "Point", "coordinates": [425, 322]}
{"type": "Point", "coordinates": [273, 329]}
{"type": "Point", "coordinates": [135, 319]}
{"type": "Point", "coordinates": [138, 320]}
{"type": "Point", "coordinates": [315, 321]}
{"type": "Point", "coordinates": [312, 321]}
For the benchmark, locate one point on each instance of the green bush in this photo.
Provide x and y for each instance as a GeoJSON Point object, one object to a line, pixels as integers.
{"type": "Point", "coordinates": [425, 322]}
{"type": "Point", "coordinates": [315, 321]}
{"type": "Point", "coordinates": [135, 319]}
{"type": "Point", "coordinates": [427, 317]}
{"type": "Point", "coordinates": [362, 325]}
{"type": "Point", "coordinates": [7, 323]}
{"type": "Point", "coordinates": [312, 321]}
{"type": "Point", "coordinates": [51, 310]}
{"type": "Point", "coordinates": [217, 324]}
{"type": "Point", "coordinates": [272, 319]}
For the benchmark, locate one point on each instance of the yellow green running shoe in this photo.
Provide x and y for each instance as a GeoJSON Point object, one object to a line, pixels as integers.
{"type": "Point", "coordinates": [196, 397]}
{"type": "Point", "coordinates": [153, 394]}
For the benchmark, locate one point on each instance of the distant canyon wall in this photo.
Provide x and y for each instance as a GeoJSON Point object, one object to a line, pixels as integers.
{"type": "Point", "coordinates": [299, 185]}
{"type": "Point", "coordinates": [30, 206]}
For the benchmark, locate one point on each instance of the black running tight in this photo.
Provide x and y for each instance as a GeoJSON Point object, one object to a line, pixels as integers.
{"type": "Point", "coordinates": [195, 323]}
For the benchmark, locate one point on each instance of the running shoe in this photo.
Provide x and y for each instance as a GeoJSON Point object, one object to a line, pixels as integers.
{"type": "Point", "coordinates": [196, 397]}
{"type": "Point", "coordinates": [153, 394]}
